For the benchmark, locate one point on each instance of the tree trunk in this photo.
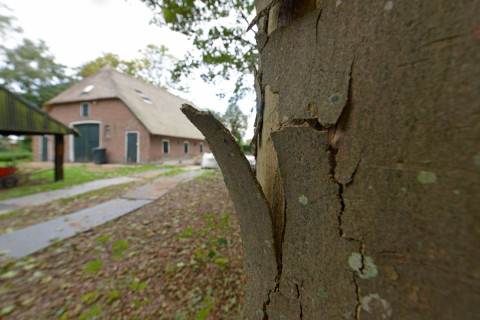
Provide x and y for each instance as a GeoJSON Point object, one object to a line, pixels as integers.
{"type": "Point", "coordinates": [368, 161]}
{"type": "Point", "coordinates": [367, 142]}
{"type": "Point", "coordinates": [59, 150]}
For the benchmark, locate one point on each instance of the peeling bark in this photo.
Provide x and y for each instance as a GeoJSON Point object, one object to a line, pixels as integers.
{"type": "Point", "coordinates": [311, 221]}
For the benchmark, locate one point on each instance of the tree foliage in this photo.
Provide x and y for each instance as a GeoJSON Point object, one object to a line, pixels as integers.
{"type": "Point", "coordinates": [152, 67]}
{"type": "Point", "coordinates": [234, 120]}
{"type": "Point", "coordinates": [91, 67]}
{"type": "Point", "coordinates": [7, 24]}
{"type": "Point", "coordinates": [31, 69]}
{"type": "Point", "coordinates": [217, 29]}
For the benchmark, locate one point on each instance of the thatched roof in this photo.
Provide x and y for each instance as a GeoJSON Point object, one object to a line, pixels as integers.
{"type": "Point", "coordinates": [19, 116]}
{"type": "Point", "coordinates": [157, 109]}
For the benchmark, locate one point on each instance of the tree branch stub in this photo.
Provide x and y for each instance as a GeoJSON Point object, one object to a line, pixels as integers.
{"type": "Point", "coordinates": [251, 206]}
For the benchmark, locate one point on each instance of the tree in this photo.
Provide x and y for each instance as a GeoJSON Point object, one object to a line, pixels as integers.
{"type": "Point", "coordinates": [152, 67]}
{"type": "Point", "coordinates": [91, 67]}
{"type": "Point", "coordinates": [7, 25]}
{"type": "Point", "coordinates": [217, 28]}
{"type": "Point", "coordinates": [31, 69]}
{"type": "Point", "coordinates": [367, 162]}
{"type": "Point", "coordinates": [235, 121]}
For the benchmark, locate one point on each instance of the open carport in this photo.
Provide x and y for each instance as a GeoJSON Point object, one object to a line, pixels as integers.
{"type": "Point", "coordinates": [21, 117]}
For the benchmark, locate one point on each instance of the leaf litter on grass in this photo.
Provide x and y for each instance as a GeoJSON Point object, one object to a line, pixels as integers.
{"type": "Point", "coordinates": [32, 215]}
{"type": "Point", "coordinates": [185, 263]}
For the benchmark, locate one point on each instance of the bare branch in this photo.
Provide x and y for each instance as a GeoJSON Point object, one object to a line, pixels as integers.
{"type": "Point", "coordinates": [262, 13]}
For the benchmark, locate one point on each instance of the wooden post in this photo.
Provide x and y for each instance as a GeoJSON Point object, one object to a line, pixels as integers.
{"type": "Point", "coordinates": [59, 149]}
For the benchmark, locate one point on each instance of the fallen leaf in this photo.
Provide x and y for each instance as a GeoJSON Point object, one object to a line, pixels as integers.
{"type": "Point", "coordinates": [28, 267]}
{"type": "Point", "coordinates": [7, 310]}
{"type": "Point", "coordinates": [27, 301]}
{"type": "Point", "coordinates": [36, 275]}
{"type": "Point", "coordinates": [9, 274]}
{"type": "Point", "coordinates": [93, 266]}
{"type": "Point", "coordinates": [47, 279]}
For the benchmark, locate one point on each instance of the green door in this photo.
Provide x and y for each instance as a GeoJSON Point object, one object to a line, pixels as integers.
{"type": "Point", "coordinates": [89, 139]}
{"type": "Point", "coordinates": [132, 145]}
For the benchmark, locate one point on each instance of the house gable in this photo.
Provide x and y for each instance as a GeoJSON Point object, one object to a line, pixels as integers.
{"type": "Point", "coordinates": [157, 109]}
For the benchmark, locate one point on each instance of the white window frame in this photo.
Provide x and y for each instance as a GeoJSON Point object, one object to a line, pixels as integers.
{"type": "Point", "coordinates": [70, 140]}
{"type": "Point", "coordinates": [163, 150]}
{"type": "Point", "coordinates": [186, 143]}
{"type": "Point", "coordinates": [88, 109]}
{"type": "Point", "coordinates": [138, 145]}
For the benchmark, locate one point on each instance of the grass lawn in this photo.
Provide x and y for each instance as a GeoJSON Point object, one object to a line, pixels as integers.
{"type": "Point", "coordinates": [43, 179]}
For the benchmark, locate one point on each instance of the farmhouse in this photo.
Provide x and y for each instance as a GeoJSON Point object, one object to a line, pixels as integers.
{"type": "Point", "coordinates": [123, 119]}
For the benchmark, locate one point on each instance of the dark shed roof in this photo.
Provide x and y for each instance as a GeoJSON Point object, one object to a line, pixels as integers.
{"type": "Point", "coordinates": [19, 116]}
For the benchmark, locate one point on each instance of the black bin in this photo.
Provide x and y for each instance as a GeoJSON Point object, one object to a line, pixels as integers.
{"type": "Point", "coordinates": [99, 155]}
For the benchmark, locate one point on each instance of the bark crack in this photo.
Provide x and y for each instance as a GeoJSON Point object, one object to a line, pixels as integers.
{"type": "Point", "coordinates": [299, 301]}
{"type": "Point", "coordinates": [357, 294]}
{"type": "Point", "coordinates": [333, 151]}
{"type": "Point", "coordinates": [316, 24]}
{"type": "Point", "coordinates": [310, 122]}
{"type": "Point", "coordinates": [282, 238]}
{"type": "Point", "coordinates": [274, 290]}
{"type": "Point", "coordinates": [341, 187]}
{"type": "Point", "coordinates": [435, 41]}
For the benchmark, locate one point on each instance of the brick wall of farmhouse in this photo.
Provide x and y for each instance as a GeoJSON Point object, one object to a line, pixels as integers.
{"type": "Point", "coordinates": [109, 112]}
{"type": "Point", "coordinates": [177, 147]}
{"type": "Point", "coordinates": [36, 147]}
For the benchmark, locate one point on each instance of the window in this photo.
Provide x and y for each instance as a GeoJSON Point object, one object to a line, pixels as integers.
{"type": "Point", "coordinates": [107, 131]}
{"type": "Point", "coordinates": [185, 146]}
{"type": "Point", "coordinates": [166, 146]}
{"type": "Point", "coordinates": [85, 110]}
{"type": "Point", "coordinates": [201, 147]}
{"type": "Point", "coordinates": [88, 88]}
{"type": "Point", "coordinates": [144, 97]}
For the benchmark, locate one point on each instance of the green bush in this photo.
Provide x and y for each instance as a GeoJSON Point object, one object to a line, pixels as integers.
{"type": "Point", "coordinates": [12, 156]}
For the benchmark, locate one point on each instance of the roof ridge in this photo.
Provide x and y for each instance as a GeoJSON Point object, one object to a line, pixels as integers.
{"type": "Point", "coordinates": [116, 91]}
{"type": "Point", "coordinates": [144, 82]}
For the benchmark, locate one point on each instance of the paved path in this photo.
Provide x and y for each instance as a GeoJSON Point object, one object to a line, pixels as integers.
{"type": "Point", "coordinates": [26, 241]}
{"type": "Point", "coordinates": [48, 196]}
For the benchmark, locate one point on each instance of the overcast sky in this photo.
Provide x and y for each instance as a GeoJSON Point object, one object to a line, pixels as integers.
{"type": "Point", "coordinates": [78, 31]}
